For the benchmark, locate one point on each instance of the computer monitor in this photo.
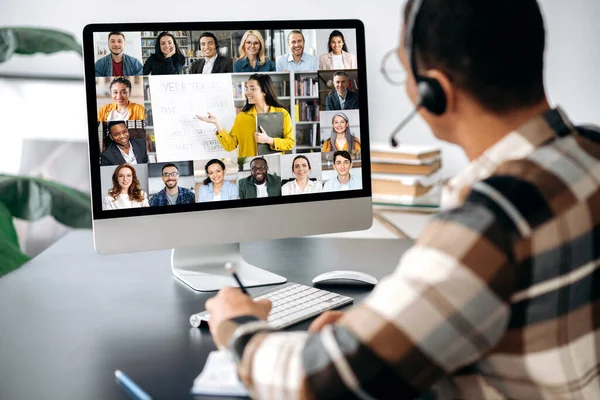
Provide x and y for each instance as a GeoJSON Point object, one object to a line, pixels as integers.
{"type": "Point", "coordinates": [203, 135]}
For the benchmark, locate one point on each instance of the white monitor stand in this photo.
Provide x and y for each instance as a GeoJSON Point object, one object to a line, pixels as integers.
{"type": "Point", "coordinates": [203, 268]}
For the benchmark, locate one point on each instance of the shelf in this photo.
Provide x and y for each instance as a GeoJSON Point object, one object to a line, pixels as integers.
{"type": "Point", "coordinates": [306, 122]}
{"type": "Point", "coordinates": [307, 97]}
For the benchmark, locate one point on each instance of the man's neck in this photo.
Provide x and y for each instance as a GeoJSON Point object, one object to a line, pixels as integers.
{"type": "Point", "coordinates": [125, 148]}
{"type": "Point", "coordinates": [342, 94]}
{"type": "Point", "coordinates": [297, 58]}
{"type": "Point", "coordinates": [485, 129]}
{"type": "Point", "coordinates": [174, 190]}
{"type": "Point", "coordinates": [343, 179]}
{"type": "Point", "coordinates": [117, 58]}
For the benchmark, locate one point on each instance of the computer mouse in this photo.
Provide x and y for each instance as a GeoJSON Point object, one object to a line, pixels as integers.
{"type": "Point", "coordinates": [341, 277]}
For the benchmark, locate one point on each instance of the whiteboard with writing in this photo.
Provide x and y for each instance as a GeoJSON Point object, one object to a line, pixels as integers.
{"type": "Point", "coordinates": [176, 100]}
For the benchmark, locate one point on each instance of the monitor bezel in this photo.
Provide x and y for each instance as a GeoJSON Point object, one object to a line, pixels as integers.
{"type": "Point", "coordinates": [94, 146]}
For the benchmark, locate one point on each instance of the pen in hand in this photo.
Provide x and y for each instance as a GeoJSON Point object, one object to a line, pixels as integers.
{"type": "Point", "coordinates": [230, 267]}
{"type": "Point", "coordinates": [131, 388]}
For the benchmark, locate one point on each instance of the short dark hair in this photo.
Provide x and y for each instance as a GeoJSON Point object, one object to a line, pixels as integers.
{"type": "Point", "coordinates": [494, 50]}
{"type": "Point", "coordinates": [342, 153]}
{"type": "Point", "coordinates": [340, 73]}
{"type": "Point", "coordinates": [210, 35]}
{"type": "Point", "coordinates": [259, 158]}
{"type": "Point", "coordinates": [167, 166]}
{"type": "Point", "coordinates": [116, 33]}
{"type": "Point", "coordinates": [114, 123]}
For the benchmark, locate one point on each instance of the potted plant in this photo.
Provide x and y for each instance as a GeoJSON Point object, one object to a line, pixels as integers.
{"type": "Point", "coordinates": [32, 198]}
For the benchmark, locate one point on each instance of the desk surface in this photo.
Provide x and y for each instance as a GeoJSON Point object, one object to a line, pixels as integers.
{"type": "Point", "coordinates": [70, 317]}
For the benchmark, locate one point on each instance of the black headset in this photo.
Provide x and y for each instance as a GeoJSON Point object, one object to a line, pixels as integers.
{"type": "Point", "coordinates": [431, 94]}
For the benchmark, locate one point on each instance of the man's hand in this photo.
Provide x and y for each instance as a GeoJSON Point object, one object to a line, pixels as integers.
{"type": "Point", "coordinates": [262, 137]}
{"type": "Point", "coordinates": [327, 318]}
{"type": "Point", "coordinates": [230, 303]}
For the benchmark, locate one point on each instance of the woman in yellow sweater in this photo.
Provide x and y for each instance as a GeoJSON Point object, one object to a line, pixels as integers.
{"type": "Point", "coordinates": [122, 109]}
{"type": "Point", "coordinates": [260, 98]}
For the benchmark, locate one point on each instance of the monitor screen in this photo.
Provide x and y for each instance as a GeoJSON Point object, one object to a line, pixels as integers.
{"type": "Point", "coordinates": [227, 123]}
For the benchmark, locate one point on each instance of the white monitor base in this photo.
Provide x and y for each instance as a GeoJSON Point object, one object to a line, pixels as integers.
{"type": "Point", "coordinates": [203, 268]}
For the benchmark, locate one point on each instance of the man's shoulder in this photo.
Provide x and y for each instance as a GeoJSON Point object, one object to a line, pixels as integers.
{"type": "Point", "coordinates": [103, 59]}
{"type": "Point", "coordinates": [139, 141]}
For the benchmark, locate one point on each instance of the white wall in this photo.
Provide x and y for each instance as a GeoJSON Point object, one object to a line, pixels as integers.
{"type": "Point", "coordinates": [573, 58]}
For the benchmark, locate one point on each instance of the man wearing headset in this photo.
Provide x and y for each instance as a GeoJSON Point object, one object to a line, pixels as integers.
{"type": "Point", "coordinates": [211, 62]}
{"type": "Point", "coordinates": [499, 297]}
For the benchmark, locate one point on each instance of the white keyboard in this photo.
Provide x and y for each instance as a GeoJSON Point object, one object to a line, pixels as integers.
{"type": "Point", "coordinates": [292, 303]}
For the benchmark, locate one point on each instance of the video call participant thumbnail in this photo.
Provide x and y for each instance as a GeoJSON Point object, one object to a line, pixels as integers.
{"type": "Point", "coordinates": [341, 98]}
{"type": "Point", "coordinates": [302, 184]}
{"type": "Point", "coordinates": [212, 62]}
{"type": "Point", "coordinates": [296, 59]}
{"type": "Point", "coordinates": [341, 136]}
{"type": "Point", "coordinates": [117, 63]}
{"type": "Point", "coordinates": [261, 97]}
{"type": "Point", "coordinates": [260, 183]}
{"type": "Point", "coordinates": [167, 58]}
{"type": "Point", "coordinates": [252, 54]}
{"type": "Point", "coordinates": [126, 191]}
{"type": "Point", "coordinates": [172, 192]}
{"type": "Point", "coordinates": [342, 163]}
{"type": "Point", "coordinates": [215, 187]}
{"type": "Point", "coordinates": [338, 56]}
{"type": "Point", "coordinates": [123, 149]}
{"type": "Point", "coordinates": [121, 108]}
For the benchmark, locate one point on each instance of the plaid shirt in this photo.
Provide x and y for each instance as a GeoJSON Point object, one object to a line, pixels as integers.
{"type": "Point", "coordinates": [185, 196]}
{"type": "Point", "coordinates": [499, 298]}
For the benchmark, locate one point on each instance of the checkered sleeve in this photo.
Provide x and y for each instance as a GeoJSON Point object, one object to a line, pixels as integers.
{"type": "Point", "coordinates": [445, 307]}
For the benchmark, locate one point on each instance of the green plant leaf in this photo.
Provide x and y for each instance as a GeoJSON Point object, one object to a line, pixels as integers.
{"type": "Point", "coordinates": [32, 198]}
{"type": "Point", "coordinates": [11, 256]}
{"type": "Point", "coordinates": [21, 40]}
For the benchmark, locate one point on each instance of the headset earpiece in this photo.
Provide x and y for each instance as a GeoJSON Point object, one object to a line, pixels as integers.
{"type": "Point", "coordinates": [432, 96]}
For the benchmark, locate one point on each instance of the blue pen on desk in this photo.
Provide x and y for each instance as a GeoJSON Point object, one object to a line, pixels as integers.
{"type": "Point", "coordinates": [229, 266]}
{"type": "Point", "coordinates": [132, 389]}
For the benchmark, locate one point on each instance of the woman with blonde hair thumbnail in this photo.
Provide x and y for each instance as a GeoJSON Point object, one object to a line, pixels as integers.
{"type": "Point", "coordinates": [340, 135]}
{"type": "Point", "coordinates": [338, 57]}
{"type": "Point", "coordinates": [252, 54]}
{"type": "Point", "coordinates": [302, 184]}
{"type": "Point", "coordinates": [122, 108]}
{"type": "Point", "coordinates": [126, 191]}
{"type": "Point", "coordinates": [216, 187]}
{"type": "Point", "coordinates": [261, 97]}
{"type": "Point", "coordinates": [167, 58]}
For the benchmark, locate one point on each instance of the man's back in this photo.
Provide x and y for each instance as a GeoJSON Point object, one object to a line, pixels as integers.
{"type": "Point", "coordinates": [547, 206]}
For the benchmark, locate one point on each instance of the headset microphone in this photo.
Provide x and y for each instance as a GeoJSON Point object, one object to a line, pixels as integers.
{"type": "Point", "coordinates": [405, 121]}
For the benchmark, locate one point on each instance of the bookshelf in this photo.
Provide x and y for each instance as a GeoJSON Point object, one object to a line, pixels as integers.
{"type": "Point", "coordinates": [182, 38]}
{"type": "Point", "coordinates": [306, 111]}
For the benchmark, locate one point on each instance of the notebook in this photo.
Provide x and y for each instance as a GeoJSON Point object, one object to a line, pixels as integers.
{"type": "Point", "coordinates": [272, 123]}
{"type": "Point", "coordinates": [219, 377]}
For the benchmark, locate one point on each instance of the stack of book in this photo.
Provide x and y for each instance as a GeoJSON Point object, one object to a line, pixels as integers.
{"type": "Point", "coordinates": [406, 175]}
